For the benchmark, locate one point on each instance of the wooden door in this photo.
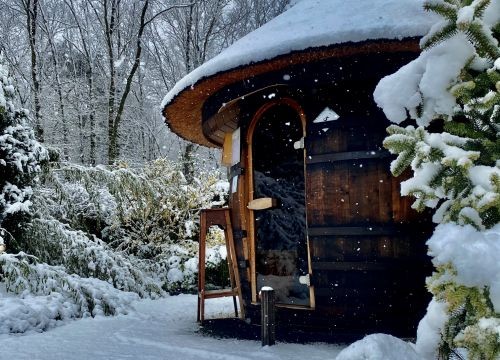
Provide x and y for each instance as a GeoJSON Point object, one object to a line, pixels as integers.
{"type": "Point", "coordinates": [280, 235]}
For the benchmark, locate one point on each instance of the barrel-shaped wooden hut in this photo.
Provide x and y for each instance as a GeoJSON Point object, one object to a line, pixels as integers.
{"type": "Point", "coordinates": [315, 211]}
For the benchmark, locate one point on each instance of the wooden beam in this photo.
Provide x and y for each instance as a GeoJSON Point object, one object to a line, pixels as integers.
{"type": "Point", "coordinates": [347, 155]}
{"type": "Point", "coordinates": [352, 231]}
{"type": "Point", "coordinates": [352, 266]}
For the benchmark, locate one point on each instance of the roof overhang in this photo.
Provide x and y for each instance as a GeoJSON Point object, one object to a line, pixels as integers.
{"type": "Point", "coordinates": [184, 113]}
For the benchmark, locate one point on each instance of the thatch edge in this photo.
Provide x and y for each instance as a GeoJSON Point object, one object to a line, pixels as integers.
{"type": "Point", "coordinates": [183, 114]}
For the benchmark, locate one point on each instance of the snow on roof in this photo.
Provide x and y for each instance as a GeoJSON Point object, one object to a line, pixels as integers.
{"type": "Point", "coordinates": [315, 23]}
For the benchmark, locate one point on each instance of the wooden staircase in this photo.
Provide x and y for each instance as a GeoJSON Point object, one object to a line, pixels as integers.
{"type": "Point", "coordinates": [221, 218]}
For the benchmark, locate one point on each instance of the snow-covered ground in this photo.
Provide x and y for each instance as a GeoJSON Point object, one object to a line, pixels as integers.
{"type": "Point", "coordinates": [158, 329]}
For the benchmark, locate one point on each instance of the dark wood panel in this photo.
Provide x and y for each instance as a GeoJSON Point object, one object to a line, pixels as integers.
{"type": "Point", "coordinates": [357, 192]}
{"type": "Point", "coordinates": [349, 193]}
{"type": "Point", "coordinates": [353, 230]}
{"type": "Point", "coordinates": [347, 155]}
{"type": "Point", "coordinates": [363, 292]}
{"type": "Point", "coordinates": [353, 266]}
{"type": "Point", "coordinates": [406, 246]}
{"type": "Point", "coordinates": [343, 136]}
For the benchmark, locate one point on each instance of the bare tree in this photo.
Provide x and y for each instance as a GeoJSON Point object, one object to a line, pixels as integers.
{"type": "Point", "coordinates": [50, 33]}
{"type": "Point", "coordinates": [31, 11]}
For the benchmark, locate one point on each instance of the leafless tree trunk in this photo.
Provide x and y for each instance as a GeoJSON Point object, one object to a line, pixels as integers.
{"type": "Point", "coordinates": [31, 10]}
{"type": "Point", "coordinates": [64, 124]}
{"type": "Point", "coordinates": [109, 31]}
{"type": "Point", "coordinates": [89, 74]}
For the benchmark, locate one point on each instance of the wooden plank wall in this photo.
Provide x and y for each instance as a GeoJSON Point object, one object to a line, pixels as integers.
{"type": "Point", "coordinates": [367, 244]}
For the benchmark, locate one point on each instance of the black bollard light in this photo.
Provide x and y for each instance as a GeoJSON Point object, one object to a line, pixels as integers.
{"type": "Point", "coordinates": [268, 317]}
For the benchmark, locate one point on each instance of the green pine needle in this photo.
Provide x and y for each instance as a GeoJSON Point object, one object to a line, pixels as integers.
{"type": "Point", "coordinates": [439, 36]}
{"type": "Point", "coordinates": [483, 44]}
{"type": "Point", "coordinates": [480, 8]}
{"type": "Point", "coordinates": [447, 11]}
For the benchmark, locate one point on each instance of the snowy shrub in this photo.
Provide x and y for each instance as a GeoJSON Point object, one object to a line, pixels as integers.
{"type": "Point", "coordinates": [177, 267]}
{"type": "Point", "coordinates": [147, 216]}
{"type": "Point", "coordinates": [456, 79]}
{"type": "Point", "coordinates": [140, 210]}
{"type": "Point", "coordinates": [56, 244]}
{"type": "Point", "coordinates": [215, 236]}
{"type": "Point", "coordinates": [48, 295]}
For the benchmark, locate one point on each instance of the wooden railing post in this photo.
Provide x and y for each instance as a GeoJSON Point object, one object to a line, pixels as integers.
{"type": "Point", "coordinates": [268, 316]}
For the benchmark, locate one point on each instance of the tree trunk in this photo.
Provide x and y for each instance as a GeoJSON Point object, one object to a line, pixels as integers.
{"type": "Point", "coordinates": [113, 150]}
{"type": "Point", "coordinates": [188, 162]}
{"type": "Point", "coordinates": [89, 73]}
{"type": "Point", "coordinates": [64, 123]}
{"type": "Point", "coordinates": [31, 9]}
{"type": "Point", "coordinates": [110, 27]}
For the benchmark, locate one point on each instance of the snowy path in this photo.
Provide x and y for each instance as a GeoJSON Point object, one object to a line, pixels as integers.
{"type": "Point", "coordinates": [159, 329]}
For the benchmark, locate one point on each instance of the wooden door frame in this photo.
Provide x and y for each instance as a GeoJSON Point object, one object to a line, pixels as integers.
{"type": "Point", "coordinates": [249, 193]}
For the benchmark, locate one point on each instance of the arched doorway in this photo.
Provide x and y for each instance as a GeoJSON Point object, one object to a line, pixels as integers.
{"type": "Point", "coordinates": [279, 230]}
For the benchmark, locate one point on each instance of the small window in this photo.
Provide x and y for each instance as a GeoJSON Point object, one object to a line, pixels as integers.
{"type": "Point", "coordinates": [326, 115]}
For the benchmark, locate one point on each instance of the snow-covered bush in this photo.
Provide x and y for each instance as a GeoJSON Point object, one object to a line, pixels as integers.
{"type": "Point", "coordinates": [148, 216]}
{"type": "Point", "coordinates": [71, 202]}
{"type": "Point", "coordinates": [139, 211]}
{"type": "Point", "coordinates": [70, 272]}
{"type": "Point", "coordinates": [56, 244]}
{"type": "Point", "coordinates": [177, 268]}
{"type": "Point", "coordinates": [48, 295]}
{"type": "Point", "coordinates": [456, 79]}
{"type": "Point", "coordinates": [20, 157]}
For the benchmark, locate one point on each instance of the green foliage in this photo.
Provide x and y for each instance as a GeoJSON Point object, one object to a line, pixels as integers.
{"type": "Point", "coordinates": [457, 170]}
{"type": "Point", "coordinates": [126, 226]}
{"type": "Point", "coordinates": [58, 245]}
{"type": "Point", "coordinates": [138, 212]}
{"type": "Point", "coordinates": [472, 319]}
{"type": "Point", "coordinates": [445, 163]}
{"type": "Point", "coordinates": [441, 165]}
{"type": "Point", "coordinates": [474, 30]}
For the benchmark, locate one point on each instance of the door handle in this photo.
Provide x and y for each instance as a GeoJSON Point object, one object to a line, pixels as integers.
{"type": "Point", "coordinates": [262, 203]}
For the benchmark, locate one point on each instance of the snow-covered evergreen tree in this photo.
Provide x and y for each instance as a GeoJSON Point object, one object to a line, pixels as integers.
{"type": "Point", "coordinates": [456, 169]}
{"type": "Point", "coordinates": [20, 157]}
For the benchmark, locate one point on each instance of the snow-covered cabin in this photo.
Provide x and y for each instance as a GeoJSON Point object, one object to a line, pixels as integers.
{"type": "Point", "coordinates": [291, 105]}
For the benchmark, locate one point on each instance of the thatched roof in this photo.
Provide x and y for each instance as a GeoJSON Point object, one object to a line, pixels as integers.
{"type": "Point", "coordinates": [311, 30]}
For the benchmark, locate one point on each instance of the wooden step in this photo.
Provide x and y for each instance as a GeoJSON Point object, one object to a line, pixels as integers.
{"type": "Point", "coordinates": [212, 294]}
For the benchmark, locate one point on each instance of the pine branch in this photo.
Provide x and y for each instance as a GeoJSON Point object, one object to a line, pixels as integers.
{"type": "Point", "coordinates": [494, 78]}
{"type": "Point", "coordinates": [495, 117]}
{"type": "Point", "coordinates": [480, 8]}
{"type": "Point", "coordinates": [496, 31]}
{"type": "Point", "coordinates": [483, 44]}
{"type": "Point", "coordinates": [462, 91]}
{"type": "Point", "coordinates": [439, 36]}
{"type": "Point", "coordinates": [447, 11]}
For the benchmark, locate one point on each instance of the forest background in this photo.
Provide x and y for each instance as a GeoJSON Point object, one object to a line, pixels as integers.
{"type": "Point", "coordinates": [93, 72]}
